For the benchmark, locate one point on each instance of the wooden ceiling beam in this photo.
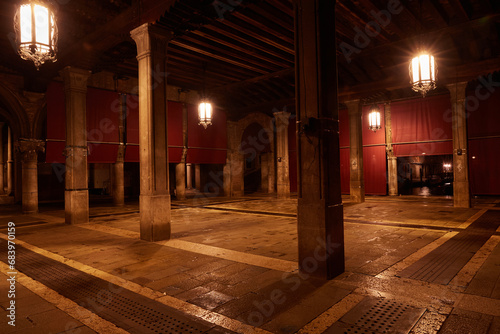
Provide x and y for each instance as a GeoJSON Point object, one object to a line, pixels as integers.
{"type": "Point", "coordinates": [208, 40]}
{"type": "Point", "coordinates": [271, 40]}
{"type": "Point", "coordinates": [231, 86]}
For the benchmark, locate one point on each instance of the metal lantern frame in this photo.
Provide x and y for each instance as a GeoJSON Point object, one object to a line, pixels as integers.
{"type": "Point", "coordinates": [423, 73]}
{"type": "Point", "coordinates": [374, 118]}
{"type": "Point", "coordinates": [205, 113]}
{"type": "Point", "coordinates": [29, 43]}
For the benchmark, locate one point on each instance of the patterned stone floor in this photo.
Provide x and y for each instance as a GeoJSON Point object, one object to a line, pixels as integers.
{"type": "Point", "coordinates": [233, 262]}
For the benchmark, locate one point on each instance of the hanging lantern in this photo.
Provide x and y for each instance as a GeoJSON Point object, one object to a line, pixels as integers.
{"type": "Point", "coordinates": [423, 72]}
{"type": "Point", "coordinates": [205, 113]}
{"type": "Point", "coordinates": [374, 118]}
{"type": "Point", "coordinates": [36, 32]}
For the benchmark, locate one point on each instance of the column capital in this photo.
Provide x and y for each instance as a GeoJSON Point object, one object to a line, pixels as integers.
{"type": "Point", "coordinates": [354, 107]}
{"type": "Point", "coordinates": [75, 78]}
{"type": "Point", "coordinates": [29, 148]}
{"type": "Point", "coordinates": [457, 90]}
{"type": "Point", "coordinates": [149, 38]}
{"type": "Point", "coordinates": [281, 115]}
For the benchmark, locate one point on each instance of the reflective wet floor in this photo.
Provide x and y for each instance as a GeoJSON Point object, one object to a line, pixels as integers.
{"type": "Point", "coordinates": [231, 266]}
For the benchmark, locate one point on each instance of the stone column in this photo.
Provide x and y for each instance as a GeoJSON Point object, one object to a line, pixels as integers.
{"type": "Point", "coordinates": [197, 176]}
{"type": "Point", "coordinates": [10, 162]}
{"type": "Point", "coordinates": [234, 168]}
{"type": "Point", "coordinates": [189, 176]}
{"type": "Point", "coordinates": [2, 184]}
{"type": "Point", "coordinates": [392, 161]}
{"type": "Point", "coordinates": [118, 166]}
{"type": "Point", "coordinates": [76, 195]}
{"type": "Point", "coordinates": [180, 168]}
{"type": "Point", "coordinates": [357, 180]}
{"type": "Point", "coordinates": [154, 202]}
{"type": "Point", "coordinates": [267, 172]}
{"type": "Point", "coordinates": [320, 212]}
{"type": "Point", "coordinates": [180, 180]}
{"type": "Point", "coordinates": [461, 192]}
{"type": "Point", "coordinates": [28, 150]}
{"type": "Point", "coordinates": [282, 163]}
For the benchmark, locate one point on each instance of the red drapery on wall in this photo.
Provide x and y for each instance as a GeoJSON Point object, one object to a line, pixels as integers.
{"type": "Point", "coordinates": [292, 153]}
{"type": "Point", "coordinates": [102, 124]}
{"type": "Point", "coordinates": [206, 146]}
{"type": "Point", "coordinates": [174, 119]}
{"type": "Point", "coordinates": [424, 119]}
{"type": "Point", "coordinates": [484, 165]}
{"type": "Point", "coordinates": [103, 111]}
{"type": "Point", "coordinates": [345, 171]}
{"type": "Point", "coordinates": [374, 170]}
{"type": "Point", "coordinates": [484, 141]}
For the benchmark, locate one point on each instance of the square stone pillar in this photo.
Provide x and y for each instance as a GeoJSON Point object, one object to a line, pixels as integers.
{"type": "Point", "coordinates": [180, 168]}
{"type": "Point", "coordinates": [392, 161]}
{"type": "Point", "coordinates": [154, 201]}
{"type": "Point", "coordinates": [320, 211]}
{"type": "Point", "coordinates": [10, 162]}
{"type": "Point", "coordinates": [118, 167]}
{"type": "Point", "coordinates": [189, 176]}
{"type": "Point", "coordinates": [282, 160]}
{"type": "Point", "coordinates": [267, 172]}
{"type": "Point", "coordinates": [180, 181]}
{"type": "Point", "coordinates": [76, 195]}
{"type": "Point", "coordinates": [357, 179]}
{"type": "Point", "coordinates": [234, 169]}
{"type": "Point", "coordinates": [461, 192]}
{"type": "Point", "coordinates": [2, 183]}
{"type": "Point", "coordinates": [28, 149]}
{"type": "Point", "coordinates": [197, 176]}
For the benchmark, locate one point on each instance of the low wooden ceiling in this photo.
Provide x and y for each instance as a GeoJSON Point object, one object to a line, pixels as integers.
{"type": "Point", "coordinates": [247, 46]}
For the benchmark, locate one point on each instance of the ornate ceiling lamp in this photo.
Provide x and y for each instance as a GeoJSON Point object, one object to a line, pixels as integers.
{"type": "Point", "coordinates": [423, 67]}
{"type": "Point", "coordinates": [374, 118]}
{"type": "Point", "coordinates": [205, 110]}
{"type": "Point", "coordinates": [36, 32]}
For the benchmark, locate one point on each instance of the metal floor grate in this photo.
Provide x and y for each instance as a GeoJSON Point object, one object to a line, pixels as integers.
{"type": "Point", "coordinates": [443, 263]}
{"type": "Point", "coordinates": [376, 316]}
{"type": "Point", "coordinates": [126, 309]}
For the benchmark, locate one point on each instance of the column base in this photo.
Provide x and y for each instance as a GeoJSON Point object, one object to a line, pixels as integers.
{"type": "Point", "coordinates": [283, 191]}
{"type": "Point", "coordinates": [155, 217]}
{"type": "Point", "coordinates": [357, 191]}
{"type": "Point", "coordinates": [180, 185]}
{"type": "Point", "coordinates": [461, 195]}
{"type": "Point", "coordinates": [321, 239]}
{"type": "Point", "coordinates": [76, 206]}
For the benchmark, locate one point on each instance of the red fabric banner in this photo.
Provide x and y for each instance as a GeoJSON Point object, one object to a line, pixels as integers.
{"type": "Point", "coordinates": [374, 170]}
{"type": "Point", "coordinates": [206, 146]}
{"type": "Point", "coordinates": [421, 119]}
{"type": "Point", "coordinates": [174, 130]}
{"type": "Point", "coordinates": [54, 152]}
{"type": "Point", "coordinates": [483, 113]}
{"type": "Point", "coordinates": [434, 148]}
{"type": "Point", "coordinates": [484, 164]}
{"type": "Point", "coordinates": [343, 128]}
{"type": "Point", "coordinates": [102, 153]}
{"type": "Point", "coordinates": [56, 112]}
{"type": "Point", "coordinates": [103, 111]}
{"type": "Point", "coordinates": [345, 171]}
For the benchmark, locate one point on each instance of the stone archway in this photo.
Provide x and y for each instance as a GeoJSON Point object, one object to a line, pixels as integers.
{"type": "Point", "coordinates": [235, 166]}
